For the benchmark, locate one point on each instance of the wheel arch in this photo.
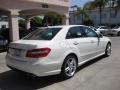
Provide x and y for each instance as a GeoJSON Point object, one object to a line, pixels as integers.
{"type": "Point", "coordinates": [109, 42]}
{"type": "Point", "coordinates": [69, 55]}
{"type": "Point", "coordinates": [63, 66]}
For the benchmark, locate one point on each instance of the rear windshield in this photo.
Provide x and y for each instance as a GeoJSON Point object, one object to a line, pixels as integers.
{"type": "Point", "coordinates": [42, 34]}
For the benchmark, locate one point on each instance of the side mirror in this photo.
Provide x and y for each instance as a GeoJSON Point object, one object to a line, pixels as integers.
{"type": "Point", "coordinates": [99, 34]}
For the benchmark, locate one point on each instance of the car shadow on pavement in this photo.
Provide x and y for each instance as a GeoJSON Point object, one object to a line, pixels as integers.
{"type": "Point", "coordinates": [11, 80]}
{"type": "Point", "coordinates": [90, 62]}
{"type": "Point", "coordinates": [2, 51]}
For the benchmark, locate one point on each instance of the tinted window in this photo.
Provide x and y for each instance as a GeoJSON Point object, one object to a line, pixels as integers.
{"type": "Point", "coordinates": [43, 34]}
{"type": "Point", "coordinates": [89, 32]}
{"type": "Point", "coordinates": [74, 32]}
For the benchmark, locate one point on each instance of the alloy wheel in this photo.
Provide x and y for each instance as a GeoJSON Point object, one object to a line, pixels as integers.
{"type": "Point", "coordinates": [69, 67]}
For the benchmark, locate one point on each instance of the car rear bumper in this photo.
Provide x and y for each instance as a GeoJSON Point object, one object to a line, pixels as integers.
{"type": "Point", "coordinates": [37, 68]}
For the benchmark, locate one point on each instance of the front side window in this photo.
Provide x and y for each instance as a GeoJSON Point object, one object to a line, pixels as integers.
{"type": "Point", "coordinates": [74, 32]}
{"type": "Point", "coordinates": [43, 34]}
{"type": "Point", "coordinates": [89, 32]}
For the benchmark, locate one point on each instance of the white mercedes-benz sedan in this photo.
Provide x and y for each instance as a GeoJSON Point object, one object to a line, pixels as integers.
{"type": "Point", "coordinates": [57, 50]}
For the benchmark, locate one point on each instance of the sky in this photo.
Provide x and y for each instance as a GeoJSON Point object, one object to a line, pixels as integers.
{"type": "Point", "coordinates": [79, 2]}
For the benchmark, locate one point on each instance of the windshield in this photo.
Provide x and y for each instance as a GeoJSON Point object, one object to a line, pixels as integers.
{"type": "Point", "coordinates": [42, 34]}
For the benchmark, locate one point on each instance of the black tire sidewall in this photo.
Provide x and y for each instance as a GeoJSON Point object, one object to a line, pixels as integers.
{"type": "Point", "coordinates": [106, 52]}
{"type": "Point", "coordinates": [118, 34]}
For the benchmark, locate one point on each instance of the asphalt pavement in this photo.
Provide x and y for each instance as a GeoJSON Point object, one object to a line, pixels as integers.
{"type": "Point", "coordinates": [102, 73]}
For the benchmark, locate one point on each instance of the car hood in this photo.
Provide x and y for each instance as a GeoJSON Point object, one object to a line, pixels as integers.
{"type": "Point", "coordinates": [29, 44]}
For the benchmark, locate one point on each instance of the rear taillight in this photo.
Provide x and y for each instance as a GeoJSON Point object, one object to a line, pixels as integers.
{"type": "Point", "coordinates": [38, 53]}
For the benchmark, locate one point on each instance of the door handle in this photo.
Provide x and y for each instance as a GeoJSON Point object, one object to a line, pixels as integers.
{"type": "Point", "coordinates": [75, 43]}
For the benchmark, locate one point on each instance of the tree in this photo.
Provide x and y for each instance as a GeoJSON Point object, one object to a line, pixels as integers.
{"type": "Point", "coordinates": [100, 4]}
{"type": "Point", "coordinates": [117, 6]}
{"type": "Point", "coordinates": [82, 12]}
{"type": "Point", "coordinates": [52, 19]}
{"type": "Point", "coordinates": [36, 22]}
{"type": "Point", "coordinates": [90, 5]}
{"type": "Point", "coordinates": [22, 23]}
{"type": "Point", "coordinates": [84, 17]}
{"type": "Point", "coordinates": [87, 21]}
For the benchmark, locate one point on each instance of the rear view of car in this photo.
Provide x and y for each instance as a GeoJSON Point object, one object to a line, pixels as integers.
{"type": "Point", "coordinates": [33, 54]}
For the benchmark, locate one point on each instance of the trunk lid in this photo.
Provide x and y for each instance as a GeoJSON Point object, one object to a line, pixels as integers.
{"type": "Point", "coordinates": [28, 44]}
{"type": "Point", "coordinates": [19, 48]}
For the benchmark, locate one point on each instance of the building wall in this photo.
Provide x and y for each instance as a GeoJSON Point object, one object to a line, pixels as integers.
{"type": "Point", "coordinates": [94, 15]}
{"type": "Point", "coordinates": [34, 4]}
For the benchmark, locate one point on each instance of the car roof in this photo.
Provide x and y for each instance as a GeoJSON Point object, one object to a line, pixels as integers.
{"type": "Point", "coordinates": [61, 26]}
{"type": "Point", "coordinates": [102, 26]}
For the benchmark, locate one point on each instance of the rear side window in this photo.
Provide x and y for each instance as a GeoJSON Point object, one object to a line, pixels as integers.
{"type": "Point", "coordinates": [43, 34]}
{"type": "Point", "coordinates": [74, 32]}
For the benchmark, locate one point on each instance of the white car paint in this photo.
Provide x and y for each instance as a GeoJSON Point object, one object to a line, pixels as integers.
{"type": "Point", "coordinates": [104, 30]}
{"type": "Point", "coordinates": [115, 31]}
{"type": "Point", "coordinates": [85, 49]}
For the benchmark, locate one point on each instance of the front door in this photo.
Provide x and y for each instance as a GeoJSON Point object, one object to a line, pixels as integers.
{"type": "Point", "coordinates": [93, 42]}
{"type": "Point", "coordinates": [81, 41]}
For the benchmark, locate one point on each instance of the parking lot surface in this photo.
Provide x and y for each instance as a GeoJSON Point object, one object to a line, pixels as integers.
{"type": "Point", "coordinates": [102, 73]}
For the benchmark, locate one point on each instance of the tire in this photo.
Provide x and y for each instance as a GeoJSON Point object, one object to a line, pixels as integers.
{"type": "Point", "coordinates": [118, 34]}
{"type": "Point", "coordinates": [69, 67]}
{"type": "Point", "coordinates": [108, 50]}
